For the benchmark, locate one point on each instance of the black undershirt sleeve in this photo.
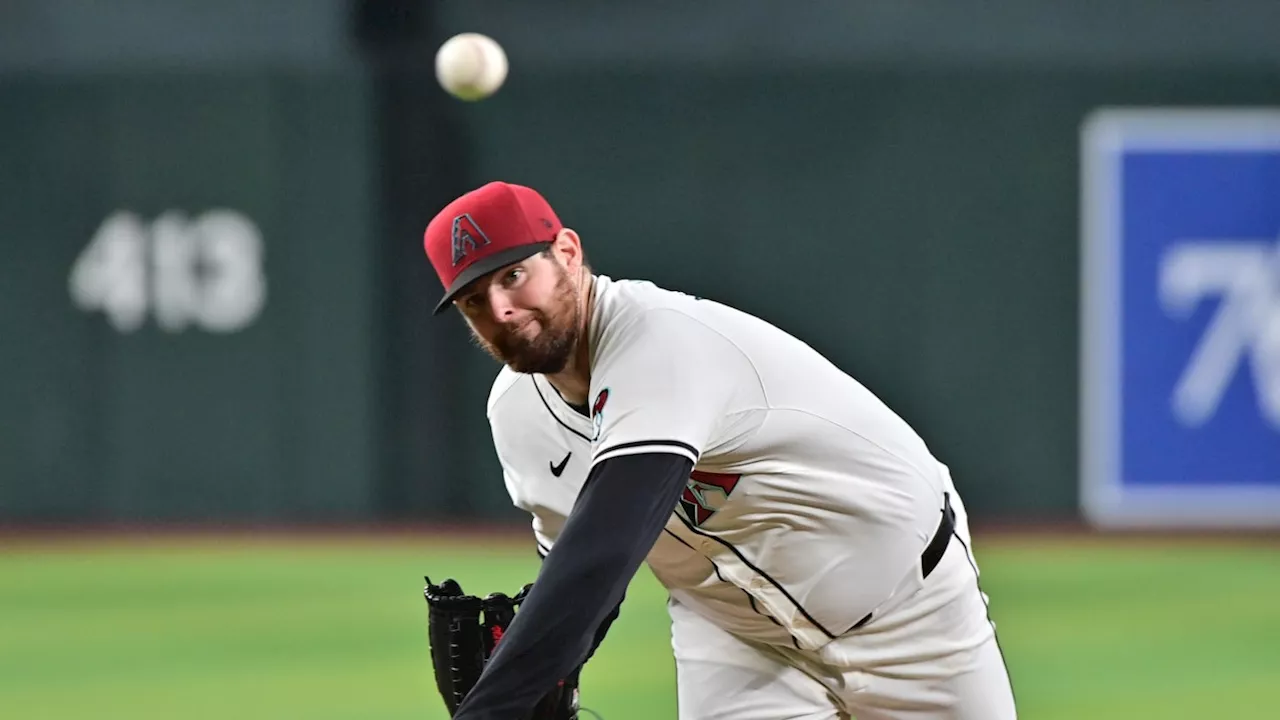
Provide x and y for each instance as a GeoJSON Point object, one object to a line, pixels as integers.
{"type": "Point", "coordinates": [623, 506]}
{"type": "Point", "coordinates": [601, 631]}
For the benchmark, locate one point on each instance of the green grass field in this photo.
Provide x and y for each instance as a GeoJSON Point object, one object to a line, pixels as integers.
{"type": "Point", "coordinates": [329, 629]}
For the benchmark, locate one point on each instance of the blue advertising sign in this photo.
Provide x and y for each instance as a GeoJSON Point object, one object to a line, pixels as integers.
{"type": "Point", "coordinates": [1180, 342]}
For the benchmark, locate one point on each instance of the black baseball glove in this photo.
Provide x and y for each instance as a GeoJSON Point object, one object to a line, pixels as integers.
{"type": "Point", "coordinates": [464, 630]}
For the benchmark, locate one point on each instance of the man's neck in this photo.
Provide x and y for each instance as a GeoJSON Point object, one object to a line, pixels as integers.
{"type": "Point", "coordinates": [574, 382]}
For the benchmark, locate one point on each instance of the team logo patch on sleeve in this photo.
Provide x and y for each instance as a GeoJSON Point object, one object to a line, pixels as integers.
{"type": "Point", "coordinates": [597, 408]}
{"type": "Point", "coordinates": [705, 494]}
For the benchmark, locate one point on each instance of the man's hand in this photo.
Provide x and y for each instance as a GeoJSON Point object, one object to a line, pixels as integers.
{"type": "Point", "coordinates": [464, 630]}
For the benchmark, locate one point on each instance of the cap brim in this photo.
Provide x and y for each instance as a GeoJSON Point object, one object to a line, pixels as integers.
{"type": "Point", "coordinates": [484, 266]}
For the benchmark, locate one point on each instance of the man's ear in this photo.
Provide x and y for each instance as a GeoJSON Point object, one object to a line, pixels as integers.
{"type": "Point", "coordinates": [568, 249]}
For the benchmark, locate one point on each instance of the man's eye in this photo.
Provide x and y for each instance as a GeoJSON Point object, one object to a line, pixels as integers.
{"type": "Point", "coordinates": [514, 274]}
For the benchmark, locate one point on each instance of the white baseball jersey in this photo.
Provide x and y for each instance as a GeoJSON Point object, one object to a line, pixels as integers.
{"type": "Point", "coordinates": [810, 502]}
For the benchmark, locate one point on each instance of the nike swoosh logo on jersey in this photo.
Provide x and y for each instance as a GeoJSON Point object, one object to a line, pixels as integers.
{"type": "Point", "coordinates": [557, 470]}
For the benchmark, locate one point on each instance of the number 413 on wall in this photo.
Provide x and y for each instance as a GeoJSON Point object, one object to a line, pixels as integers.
{"type": "Point", "coordinates": [204, 271]}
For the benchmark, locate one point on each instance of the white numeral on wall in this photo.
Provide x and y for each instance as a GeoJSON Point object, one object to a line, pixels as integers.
{"type": "Point", "coordinates": [205, 271]}
{"type": "Point", "coordinates": [1245, 277]}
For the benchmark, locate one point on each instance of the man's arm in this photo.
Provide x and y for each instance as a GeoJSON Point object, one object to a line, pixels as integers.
{"type": "Point", "coordinates": [603, 630]}
{"type": "Point", "coordinates": [618, 516]}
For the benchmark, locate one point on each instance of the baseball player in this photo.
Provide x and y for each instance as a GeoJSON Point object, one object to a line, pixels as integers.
{"type": "Point", "coordinates": [817, 555]}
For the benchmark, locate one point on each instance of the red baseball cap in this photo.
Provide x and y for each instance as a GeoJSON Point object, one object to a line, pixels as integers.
{"type": "Point", "coordinates": [488, 228]}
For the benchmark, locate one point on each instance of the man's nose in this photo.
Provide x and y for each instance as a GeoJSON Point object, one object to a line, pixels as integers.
{"type": "Point", "coordinates": [500, 305]}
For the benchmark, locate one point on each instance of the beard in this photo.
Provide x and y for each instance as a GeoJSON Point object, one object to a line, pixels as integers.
{"type": "Point", "coordinates": [549, 351]}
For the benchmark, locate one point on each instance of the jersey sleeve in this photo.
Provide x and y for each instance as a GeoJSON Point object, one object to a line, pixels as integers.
{"type": "Point", "coordinates": [662, 383]}
{"type": "Point", "coordinates": [541, 536]}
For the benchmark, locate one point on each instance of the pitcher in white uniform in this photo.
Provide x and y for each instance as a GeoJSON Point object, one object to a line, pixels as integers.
{"type": "Point", "coordinates": [816, 553]}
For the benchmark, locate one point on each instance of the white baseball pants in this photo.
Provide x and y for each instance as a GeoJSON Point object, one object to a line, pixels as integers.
{"type": "Point", "coordinates": [934, 657]}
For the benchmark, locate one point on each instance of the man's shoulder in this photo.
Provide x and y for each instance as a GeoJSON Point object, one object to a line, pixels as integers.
{"type": "Point", "coordinates": [633, 309]}
{"type": "Point", "coordinates": [630, 304]}
{"type": "Point", "coordinates": [647, 318]}
{"type": "Point", "coordinates": [629, 295]}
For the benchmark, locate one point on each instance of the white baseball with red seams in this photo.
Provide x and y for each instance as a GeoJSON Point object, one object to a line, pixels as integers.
{"type": "Point", "coordinates": [471, 66]}
{"type": "Point", "coordinates": [809, 508]}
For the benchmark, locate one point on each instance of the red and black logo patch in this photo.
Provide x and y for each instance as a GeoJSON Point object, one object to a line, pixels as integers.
{"type": "Point", "coordinates": [601, 399]}
{"type": "Point", "coordinates": [597, 420]}
{"type": "Point", "coordinates": [705, 494]}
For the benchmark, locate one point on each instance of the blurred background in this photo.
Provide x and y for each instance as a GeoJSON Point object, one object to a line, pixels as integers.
{"type": "Point", "coordinates": [233, 439]}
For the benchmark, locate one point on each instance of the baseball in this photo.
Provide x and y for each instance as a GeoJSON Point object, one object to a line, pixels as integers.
{"type": "Point", "coordinates": [471, 66]}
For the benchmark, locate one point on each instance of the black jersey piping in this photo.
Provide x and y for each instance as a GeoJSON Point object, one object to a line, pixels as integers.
{"type": "Point", "coordinates": [763, 574]}
{"type": "Point", "coordinates": [553, 414]}
{"type": "Point", "coordinates": [750, 599]}
{"type": "Point", "coordinates": [968, 556]}
{"type": "Point", "coordinates": [654, 443]}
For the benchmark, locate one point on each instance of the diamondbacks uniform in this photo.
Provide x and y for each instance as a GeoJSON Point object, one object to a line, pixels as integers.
{"type": "Point", "coordinates": [810, 558]}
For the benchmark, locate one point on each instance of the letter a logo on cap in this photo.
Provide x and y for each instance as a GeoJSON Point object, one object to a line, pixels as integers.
{"type": "Point", "coordinates": [467, 237]}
